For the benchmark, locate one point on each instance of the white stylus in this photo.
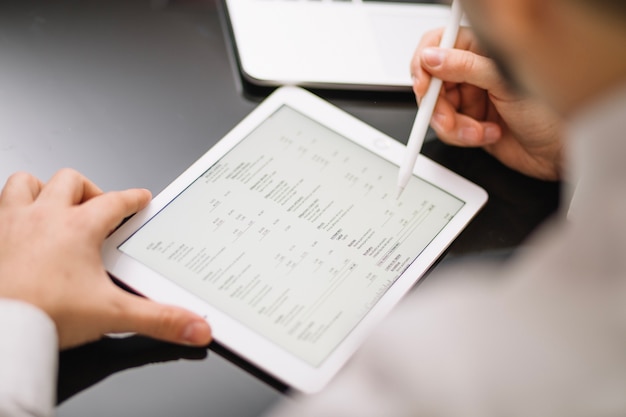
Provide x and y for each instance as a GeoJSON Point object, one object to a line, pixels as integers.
{"type": "Point", "coordinates": [427, 105]}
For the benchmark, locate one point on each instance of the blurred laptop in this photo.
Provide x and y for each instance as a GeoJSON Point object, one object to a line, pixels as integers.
{"type": "Point", "coordinates": [337, 44]}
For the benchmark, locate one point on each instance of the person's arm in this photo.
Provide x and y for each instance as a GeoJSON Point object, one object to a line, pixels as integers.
{"type": "Point", "coordinates": [541, 338]}
{"type": "Point", "coordinates": [28, 361]}
{"type": "Point", "coordinates": [54, 290]}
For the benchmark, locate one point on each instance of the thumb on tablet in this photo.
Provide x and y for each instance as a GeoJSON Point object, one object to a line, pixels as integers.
{"type": "Point", "coordinates": [164, 322]}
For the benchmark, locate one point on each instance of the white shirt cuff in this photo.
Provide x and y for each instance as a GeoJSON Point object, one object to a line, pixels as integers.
{"type": "Point", "coordinates": [28, 360]}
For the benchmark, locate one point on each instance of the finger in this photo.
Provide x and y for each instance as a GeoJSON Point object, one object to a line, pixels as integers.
{"type": "Point", "coordinates": [421, 78]}
{"type": "Point", "coordinates": [163, 322]}
{"type": "Point", "coordinates": [467, 99]}
{"type": "Point", "coordinates": [453, 65]}
{"type": "Point", "coordinates": [108, 210]}
{"type": "Point", "coordinates": [460, 130]}
{"type": "Point", "coordinates": [473, 102]}
{"type": "Point", "coordinates": [70, 187]}
{"type": "Point", "coordinates": [420, 75]}
{"type": "Point", "coordinates": [21, 188]}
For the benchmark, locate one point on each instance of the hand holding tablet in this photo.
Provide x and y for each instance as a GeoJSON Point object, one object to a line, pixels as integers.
{"type": "Point", "coordinates": [288, 237]}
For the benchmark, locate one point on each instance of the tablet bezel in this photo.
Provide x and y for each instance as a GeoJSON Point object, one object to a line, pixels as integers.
{"type": "Point", "coordinates": [232, 334]}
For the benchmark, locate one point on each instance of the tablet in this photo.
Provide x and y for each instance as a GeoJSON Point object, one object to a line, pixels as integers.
{"type": "Point", "coordinates": [289, 238]}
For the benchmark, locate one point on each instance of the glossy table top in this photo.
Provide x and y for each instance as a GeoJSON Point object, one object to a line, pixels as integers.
{"type": "Point", "coordinates": [130, 92]}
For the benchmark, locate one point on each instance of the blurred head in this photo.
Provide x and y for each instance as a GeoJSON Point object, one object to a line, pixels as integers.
{"type": "Point", "coordinates": [566, 51]}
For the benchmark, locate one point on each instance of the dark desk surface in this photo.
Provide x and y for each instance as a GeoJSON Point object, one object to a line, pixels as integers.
{"type": "Point", "coordinates": [130, 92]}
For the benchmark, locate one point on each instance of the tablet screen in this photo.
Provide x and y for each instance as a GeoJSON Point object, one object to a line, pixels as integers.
{"type": "Point", "coordinates": [296, 233]}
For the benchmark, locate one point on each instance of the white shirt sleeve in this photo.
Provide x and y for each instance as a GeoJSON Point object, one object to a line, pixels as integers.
{"type": "Point", "coordinates": [543, 337]}
{"type": "Point", "coordinates": [28, 361]}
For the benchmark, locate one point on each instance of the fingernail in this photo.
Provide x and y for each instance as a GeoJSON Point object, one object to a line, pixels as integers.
{"type": "Point", "coordinates": [197, 333]}
{"type": "Point", "coordinates": [433, 57]}
{"type": "Point", "coordinates": [469, 134]}
{"type": "Point", "coordinates": [492, 134]}
{"type": "Point", "coordinates": [438, 120]}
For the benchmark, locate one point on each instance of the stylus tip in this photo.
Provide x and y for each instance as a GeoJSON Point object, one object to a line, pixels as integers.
{"type": "Point", "coordinates": [400, 190]}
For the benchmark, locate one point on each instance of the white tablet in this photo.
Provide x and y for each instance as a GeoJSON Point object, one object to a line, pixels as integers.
{"type": "Point", "coordinates": [289, 238]}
